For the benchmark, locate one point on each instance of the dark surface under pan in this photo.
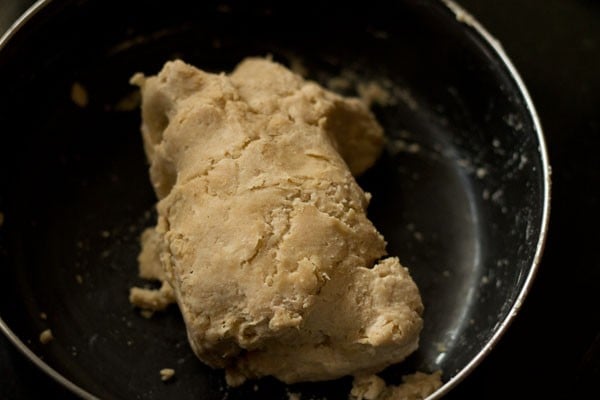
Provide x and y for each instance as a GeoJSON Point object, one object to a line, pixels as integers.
{"type": "Point", "coordinates": [458, 193]}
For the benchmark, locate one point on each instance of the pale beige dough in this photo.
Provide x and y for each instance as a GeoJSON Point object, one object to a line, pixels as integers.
{"type": "Point", "coordinates": [262, 232]}
{"type": "Point", "coordinates": [415, 386]}
{"type": "Point", "coordinates": [166, 374]}
{"type": "Point", "coordinates": [46, 336]}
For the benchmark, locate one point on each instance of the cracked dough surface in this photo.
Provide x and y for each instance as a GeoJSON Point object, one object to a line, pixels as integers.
{"type": "Point", "coordinates": [262, 232]}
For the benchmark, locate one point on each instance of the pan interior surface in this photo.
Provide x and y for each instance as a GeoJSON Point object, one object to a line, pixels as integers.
{"type": "Point", "coordinates": [458, 192]}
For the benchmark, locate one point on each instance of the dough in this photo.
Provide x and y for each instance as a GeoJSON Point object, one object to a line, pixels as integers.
{"type": "Point", "coordinates": [415, 386]}
{"type": "Point", "coordinates": [166, 374]}
{"type": "Point", "coordinates": [262, 230]}
{"type": "Point", "coordinates": [46, 336]}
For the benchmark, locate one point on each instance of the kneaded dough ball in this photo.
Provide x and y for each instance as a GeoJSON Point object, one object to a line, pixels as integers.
{"type": "Point", "coordinates": [262, 229]}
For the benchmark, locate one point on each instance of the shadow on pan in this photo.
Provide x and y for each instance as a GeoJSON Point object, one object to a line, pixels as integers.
{"type": "Point", "coordinates": [460, 193]}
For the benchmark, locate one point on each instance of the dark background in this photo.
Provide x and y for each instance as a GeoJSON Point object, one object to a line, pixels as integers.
{"type": "Point", "coordinates": [553, 348]}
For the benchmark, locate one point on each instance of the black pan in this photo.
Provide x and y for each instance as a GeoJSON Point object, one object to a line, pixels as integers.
{"type": "Point", "coordinates": [461, 192]}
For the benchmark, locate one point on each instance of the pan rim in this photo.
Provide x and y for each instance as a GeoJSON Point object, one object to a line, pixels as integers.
{"type": "Point", "coordinates": [4, 328]}
{"type": "Point", "coordinates": [462, 17]}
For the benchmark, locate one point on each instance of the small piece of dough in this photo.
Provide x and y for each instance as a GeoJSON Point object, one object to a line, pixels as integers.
{"type": "Point", "coordinates": [79, 95]}
{"type": "Point", "coordinates": [262, 230]}
{"type": "Point", "coordinates": [166, 374]}
{"type": "Point", "coordinates": [415, 386]}
{"type": "Point", "coordinates": [46, 336]}
{"type": "Point", "coordinates": [149, 299]}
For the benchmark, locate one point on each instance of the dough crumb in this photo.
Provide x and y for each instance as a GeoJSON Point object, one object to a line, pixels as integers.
{"type": "Point", "coordinates": [415, 386]}
{"type": "Point", "coordinates": [46, 336]}
{"type": "Point", "coordinates": [147, 313]}
{"type": "Point", "coordinates": [129, 103]}
{"type": "Point", "coordinates": [1, 218]}
{"type": "Point", "coordinates": [368, 387]}
{"type": "Point", "coordinates": [79, 279]}
{"type": "Point", "coordinates": [166, 374]}
{"type": "Point", "coordinates": [339, 83]}
{"type": "Point", "coordinates": [293, 396]}
{"type": "Point", "coordinates": [43, 316]}
{"type": "Point", "coordinates": [149, 299]}
{"type": "Point", "coordinates": [79, 95]}
{"type": "Point", "coordinates": [373, 93]}
{"type": "Point", "coordinates": [234, 378]}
